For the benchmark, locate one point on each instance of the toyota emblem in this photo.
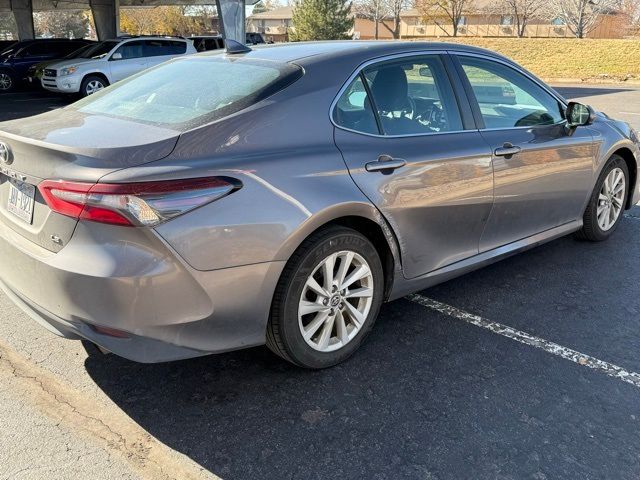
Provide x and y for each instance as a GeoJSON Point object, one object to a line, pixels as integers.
{"type": "Point", "coordinates": [5, 154]}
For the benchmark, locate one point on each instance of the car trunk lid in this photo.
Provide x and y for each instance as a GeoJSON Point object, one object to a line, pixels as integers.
{"type": "Point", "coordinates": [61, 146]}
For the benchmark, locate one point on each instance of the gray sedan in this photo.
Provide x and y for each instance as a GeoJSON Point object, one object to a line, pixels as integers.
{"type": "Point", "coordinates": [279, 196]}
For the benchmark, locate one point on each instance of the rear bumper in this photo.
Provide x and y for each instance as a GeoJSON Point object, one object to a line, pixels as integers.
{"type": "Point", "coordinates": [138, 349]}
{"type": "Point", "coordinates": [128, 279]}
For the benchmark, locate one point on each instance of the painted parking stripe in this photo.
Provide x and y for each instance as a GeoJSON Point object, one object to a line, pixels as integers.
{"type": "Point", "coordinates": [550, 347]}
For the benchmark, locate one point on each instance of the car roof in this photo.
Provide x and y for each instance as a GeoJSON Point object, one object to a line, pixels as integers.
{"type": "Point", "coordinates": [46, 40]}
{"type": "Point", "coordinates": [145, 37]}
{"type": "Point", "coordinates": [292, 52]}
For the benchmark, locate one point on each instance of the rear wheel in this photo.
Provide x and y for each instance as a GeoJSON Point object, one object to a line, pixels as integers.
{"type": "Point", "coordinates": [607, 203]}
{"type": "Point", "coordinates": [92, 84]}
{"type": "Point", "coordinates": [7, 81]}
{"type": "Point", "coordinates": [327, 300]}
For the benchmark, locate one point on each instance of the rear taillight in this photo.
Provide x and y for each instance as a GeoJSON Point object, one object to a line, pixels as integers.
{"type": "Point", "coordinates": [143, 204]}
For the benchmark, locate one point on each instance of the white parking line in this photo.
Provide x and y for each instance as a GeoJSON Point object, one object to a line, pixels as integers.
{"type": "Point", "coordinates": [567, 353]}
{"type": "Point", "coordinates": [629, 113]}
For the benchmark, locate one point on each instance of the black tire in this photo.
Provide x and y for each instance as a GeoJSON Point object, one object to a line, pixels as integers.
{"type": "Point", "coordinates": [591, 230]}
{"type": "Point", "coordinates": [86, 81]}
{"type": "Point", "coordinates": [8, 82]}
{"type": "Point", "coordinates": [284, 337]}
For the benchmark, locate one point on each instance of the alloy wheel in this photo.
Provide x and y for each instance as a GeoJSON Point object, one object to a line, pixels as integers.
{"type": "Point", "coordinates": [5, 81]}
{"type": "Point", "coordinates": [611, 199]}
{"type": "Point", "coordinates": [335, 301]}
{"type": "Point", "coordinates": [93, 86]}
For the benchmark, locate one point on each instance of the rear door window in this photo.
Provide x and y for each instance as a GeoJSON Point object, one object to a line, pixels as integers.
{"type": "Point", "coordinates": [413, 96]}
{"type": "Point", "coordinates": [157, 48]}
{"type": "Point", "coordinates": [353, 110]}
{"type": "Point", "coordinates": [408, 96]}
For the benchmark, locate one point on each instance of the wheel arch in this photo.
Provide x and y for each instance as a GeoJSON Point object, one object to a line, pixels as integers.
{"type": "Point", "coordinates": [95, 74]}
{"type": "Point", "coordinates": [632, 166]}
{"type": "Point", "coordinates": [366, 220]}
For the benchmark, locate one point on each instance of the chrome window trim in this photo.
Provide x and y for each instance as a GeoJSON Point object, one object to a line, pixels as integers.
{"type": "Point", "coordinates": [382, 59]}
{"type": "Point", "coordinates": [526, 74]}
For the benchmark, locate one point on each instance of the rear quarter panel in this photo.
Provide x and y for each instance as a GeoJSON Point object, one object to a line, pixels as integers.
{"type": "Point", "coordinates": [294, 178]}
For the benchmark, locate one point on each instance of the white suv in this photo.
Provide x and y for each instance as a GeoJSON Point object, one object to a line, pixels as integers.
{"type": "Point", "coordinates": [110, 61]}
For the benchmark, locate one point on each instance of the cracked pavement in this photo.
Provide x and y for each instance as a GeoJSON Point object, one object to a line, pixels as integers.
{"type": "Point", "coordinates": [35, 446]}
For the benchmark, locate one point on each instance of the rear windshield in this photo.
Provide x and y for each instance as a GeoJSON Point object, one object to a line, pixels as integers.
{"type": "Point", "coordinates": [188, 92]}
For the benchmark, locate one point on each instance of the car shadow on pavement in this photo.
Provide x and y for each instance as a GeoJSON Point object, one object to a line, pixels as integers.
{"type": "Point", "coordinates": [587, 91]}
{"type": "Point", "coordinates": [425, 397]}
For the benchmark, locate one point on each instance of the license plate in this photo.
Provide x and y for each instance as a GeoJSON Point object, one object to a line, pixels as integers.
{"type": "Point", "coordinates": [21, 199]}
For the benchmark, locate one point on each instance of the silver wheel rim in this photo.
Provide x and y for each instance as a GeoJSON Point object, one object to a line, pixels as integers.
{"type": "Point", "coordinates": [5, 81]}
{"type": "Point", "coordinates": [335, 301]}
{"type": "Point", "coordinates": [611, 199]}
{"type": "Point", "coordinates": [93, 86]}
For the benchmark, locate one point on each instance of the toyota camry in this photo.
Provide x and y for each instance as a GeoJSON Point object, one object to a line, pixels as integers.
{"type": "Point", "coordinates": [280, 195]}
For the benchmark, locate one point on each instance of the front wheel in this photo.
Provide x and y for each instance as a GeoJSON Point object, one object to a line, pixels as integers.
{"type": "Point", "coordinates": [327, 299]}
{"type": "Point", "coordinates": [92, 84]}
{"type": "Point", "coordinates": [7, 81]}
{"type": "Point", "coordinates": [607, 203]}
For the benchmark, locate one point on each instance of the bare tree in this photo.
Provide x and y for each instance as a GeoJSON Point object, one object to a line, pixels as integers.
{"type": "Point", "coordinates": [631, 10]}
{"type": "Point", "coordinates": [395, 8]}
{"type": "Point", "coordinates": [375, 10]}
{"type": "Point", "coordinates": [8, 30]}
{"type": "Point", "coordinates": [581, 16]}
{"type": "Point", "coordinates": [444, 11]}
{"type": "Point", "coordinates": [522, 11]}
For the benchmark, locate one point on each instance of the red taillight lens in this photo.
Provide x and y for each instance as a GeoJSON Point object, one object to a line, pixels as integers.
{"type": "Point", "coordinates": [132, 204]}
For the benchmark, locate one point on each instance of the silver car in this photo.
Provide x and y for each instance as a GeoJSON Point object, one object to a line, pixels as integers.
{"type": "Point", "coordinates": [279, 196]}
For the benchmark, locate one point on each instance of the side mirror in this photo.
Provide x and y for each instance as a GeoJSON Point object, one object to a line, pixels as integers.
{"type": "Point", "coordinates": [578, 115]}
{"type": "Point", "coordinates": [116, 56]}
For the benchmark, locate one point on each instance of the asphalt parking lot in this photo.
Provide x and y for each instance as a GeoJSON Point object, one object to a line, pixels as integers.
{"type": "Point", "coordinates": [435, 393]}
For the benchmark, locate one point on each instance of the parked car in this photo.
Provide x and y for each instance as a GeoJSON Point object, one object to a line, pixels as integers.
{"type": "Point", "coordinates": [222, 201]}
{"type": "Point", "coordinates": [207, 43]}
{"type": "Point", "coordinates": [16, 60]}
{"type": "Point", "coordinates": [111, 61]}
{"type": "Point", "coordinates": [216, 42]}
{"type": "Point", "coordinates": [254, 38]}
{"type": "Point", "coordinates": [36, 72]}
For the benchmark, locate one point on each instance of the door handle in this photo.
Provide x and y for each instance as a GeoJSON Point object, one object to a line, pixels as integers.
{"type": "Point", "coordinates": [507, 150]}
{"type": "Point", "coordinates": [385, 163]}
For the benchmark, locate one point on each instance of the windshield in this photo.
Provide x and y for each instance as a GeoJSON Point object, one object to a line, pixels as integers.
{"type": "Point", "coordinates": [191, 91]}
{"type": "Point", "coordinates": [78, 52]}
{"type": "Point", "coordinates": [9, 51]}
{"type": "Point", "coordinates": [98, 50]}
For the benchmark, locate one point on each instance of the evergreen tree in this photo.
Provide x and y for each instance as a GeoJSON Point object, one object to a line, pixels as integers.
{"type": "Point", "coordinates": [259, 7]}
{"type": "Point", "coordinates": [321, 20]}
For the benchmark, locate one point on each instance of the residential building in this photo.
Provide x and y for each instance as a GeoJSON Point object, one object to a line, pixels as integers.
{"type": "Point", "coordinates": [484, 19]}
{"type": "Point", "coordinates": [276, 24]}
{"type": "Point", "coordinates": [487, 19]}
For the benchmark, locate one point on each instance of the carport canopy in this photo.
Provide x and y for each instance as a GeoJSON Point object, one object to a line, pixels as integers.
{"type": "Point", "coordinates": [106, 13]}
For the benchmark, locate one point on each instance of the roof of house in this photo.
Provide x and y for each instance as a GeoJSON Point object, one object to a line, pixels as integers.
{"type": "Point", "coordinates": [275, 14]}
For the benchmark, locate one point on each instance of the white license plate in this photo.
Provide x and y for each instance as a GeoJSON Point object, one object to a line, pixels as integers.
{"type": "Point", "coordinates": [21, 199]}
